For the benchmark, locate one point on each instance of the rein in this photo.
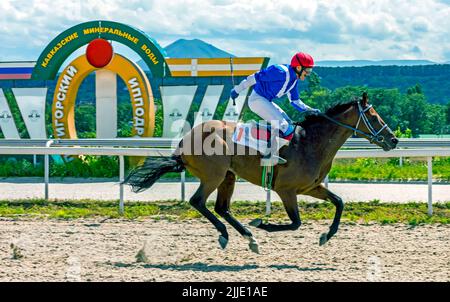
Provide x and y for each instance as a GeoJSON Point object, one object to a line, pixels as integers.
{"type": "Point", "coordinates": [372, 136]}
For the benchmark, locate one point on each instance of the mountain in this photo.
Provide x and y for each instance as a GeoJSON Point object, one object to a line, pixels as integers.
{"type": "Point", "coordinates": [360, 63]}
{"type": "Point", "coordinates": [195, 48]}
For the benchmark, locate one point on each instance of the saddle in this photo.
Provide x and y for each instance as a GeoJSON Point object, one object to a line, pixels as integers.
{"type": "Point", "coordinates": [257, 136]}
{"type": "Point", "coordinates": [253, 135]}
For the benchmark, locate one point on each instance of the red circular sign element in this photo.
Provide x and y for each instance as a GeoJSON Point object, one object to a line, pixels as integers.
{"type": "Point", "coordinates": [99, 53]}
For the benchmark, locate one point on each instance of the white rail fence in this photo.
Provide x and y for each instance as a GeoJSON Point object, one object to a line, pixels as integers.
{"type": "Point", "coordinates": [427, 148]}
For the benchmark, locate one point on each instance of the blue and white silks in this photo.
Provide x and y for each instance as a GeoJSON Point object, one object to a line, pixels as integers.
{"type": "Point", "coordinates": [269, 84]}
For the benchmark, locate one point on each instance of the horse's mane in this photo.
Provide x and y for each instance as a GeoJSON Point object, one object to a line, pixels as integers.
{"type": "Point", "coordinates": [335, 109]}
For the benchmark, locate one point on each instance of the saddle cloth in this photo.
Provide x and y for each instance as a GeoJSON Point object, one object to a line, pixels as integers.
{"type": "Point", "coordinates": [256, 136]}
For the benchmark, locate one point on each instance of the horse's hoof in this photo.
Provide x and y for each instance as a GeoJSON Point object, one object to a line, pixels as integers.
{"type": "Point", "coordinates": [223, 242]}
{"type": "Point", "coordinates": [254, 247]}
{"type": "Point", "coordinates": [256, 222]}
{"type": "Point", "coordinates": [141, 256]}
{"type": "Point", "coordinates": [253, 244]}
{"type": "Point", "coordinates": [323, 239]}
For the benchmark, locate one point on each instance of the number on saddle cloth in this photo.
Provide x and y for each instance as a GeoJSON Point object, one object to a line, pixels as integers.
{"type": "Point", "coordinates": [261, 132]}
{"type": "Point", "coordinates": [253, 135]}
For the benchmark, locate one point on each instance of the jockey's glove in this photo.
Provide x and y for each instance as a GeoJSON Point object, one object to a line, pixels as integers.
{"type": "Point", "coordinates": [302, 107]}
{"type": "Point", "coordinates": [233, 94]}
{"type": "Point", "coordinates": [313, 111]}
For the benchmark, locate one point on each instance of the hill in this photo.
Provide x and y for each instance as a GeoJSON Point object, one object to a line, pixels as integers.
{"type": "Point", "coordinates": [432, 78]}
{"type": "Point", "coordinates": [360, 63]}
{"type": "Point", "coordinates": [195, 48]}
{"type": "Point", "coordinates": [400, 74]}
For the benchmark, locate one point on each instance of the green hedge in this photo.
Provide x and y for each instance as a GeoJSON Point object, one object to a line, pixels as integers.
{"type": "Point", "coordinates": [361, 169]}
{"type": "Point", "coordinates": [370, 169]}
{"type": "Point", "coordinates": [86, 166]}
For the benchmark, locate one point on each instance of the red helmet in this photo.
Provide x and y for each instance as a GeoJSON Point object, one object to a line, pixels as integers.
{"type": "Point", "coordinates": [302, 59]}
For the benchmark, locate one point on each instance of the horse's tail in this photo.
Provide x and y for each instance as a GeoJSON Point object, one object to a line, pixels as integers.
{"type": "Point", "coordinates": [144, 176]}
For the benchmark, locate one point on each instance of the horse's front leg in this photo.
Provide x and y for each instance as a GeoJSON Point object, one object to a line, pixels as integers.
{"type": "Point", "coordinates": [323, 193]}
{"type": "Point", "coordinates": [289, 199]}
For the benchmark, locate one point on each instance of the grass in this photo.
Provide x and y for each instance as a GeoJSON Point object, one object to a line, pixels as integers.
{"type": "Point", "coordinates": [361, 169]}
{"type": "Point", "coordinates": [370, 169]}
{"type": "Point", "coordinates": [354, 212]}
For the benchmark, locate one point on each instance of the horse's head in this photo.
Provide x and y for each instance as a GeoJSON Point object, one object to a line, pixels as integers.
{"type": "Point", "coordinates": [372, 127]}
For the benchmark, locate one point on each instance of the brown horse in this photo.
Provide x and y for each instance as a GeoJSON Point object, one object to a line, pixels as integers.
{"type": "Point", "coordinates": [309, 158]}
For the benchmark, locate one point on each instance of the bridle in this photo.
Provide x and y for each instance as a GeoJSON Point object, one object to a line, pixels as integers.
{"type": "Point", "coordinates": [374, 135]}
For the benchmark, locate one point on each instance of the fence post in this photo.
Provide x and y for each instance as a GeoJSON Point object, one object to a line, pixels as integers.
{"type": "Point", "coordinates": [47, 169]}
{"type": "Point", "coordinates": [183, 186]}
{"type": "Point", "coordinates": [268, 205]}
{"type": "Point", "coordinates": [121, 179]}
{"type": "Point", "coordinates": [430, 185]}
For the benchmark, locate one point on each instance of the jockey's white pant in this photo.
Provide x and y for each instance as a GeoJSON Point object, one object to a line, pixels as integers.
{"type": "Point", "coordinates": [269, 111]}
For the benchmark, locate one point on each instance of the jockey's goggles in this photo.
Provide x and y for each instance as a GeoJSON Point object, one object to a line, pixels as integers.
{"type": "Point", "coordinates": [307, 71]}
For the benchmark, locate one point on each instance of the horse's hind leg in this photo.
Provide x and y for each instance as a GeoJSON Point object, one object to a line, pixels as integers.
{"type": "Point", "coordinates": [222, 208]}
{"type": "Point", "coordinates": [323, 193]}
{"type": "Point", "coordinates": [198, 201]}
{"type": "Point", "coordinates": [289, 199]}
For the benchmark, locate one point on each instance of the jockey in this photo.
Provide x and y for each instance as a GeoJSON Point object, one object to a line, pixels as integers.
{"type": "Point", "coordinates": [275, 82]}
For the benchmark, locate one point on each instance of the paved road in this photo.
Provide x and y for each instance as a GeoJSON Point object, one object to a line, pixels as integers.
{"type": "Point", "coordinates": [70, 188]}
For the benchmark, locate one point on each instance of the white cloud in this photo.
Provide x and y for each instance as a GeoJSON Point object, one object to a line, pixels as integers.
{"type": "Point", "coordinates": [345, 29]}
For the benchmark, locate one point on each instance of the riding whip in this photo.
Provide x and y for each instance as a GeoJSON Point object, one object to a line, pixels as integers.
{"type": "Point", "coordinates": [232, 77]}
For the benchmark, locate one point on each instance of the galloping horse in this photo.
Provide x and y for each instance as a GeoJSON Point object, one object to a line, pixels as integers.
{"type": "Point", "coordinates": [309, 158]}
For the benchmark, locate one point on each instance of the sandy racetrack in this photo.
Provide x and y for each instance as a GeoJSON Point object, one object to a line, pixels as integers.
{"type": "Point", "coordinates": [91, 250]}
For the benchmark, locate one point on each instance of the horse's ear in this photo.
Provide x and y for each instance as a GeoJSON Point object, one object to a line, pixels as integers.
{"type": "Point", "coordinates": [365, 99]}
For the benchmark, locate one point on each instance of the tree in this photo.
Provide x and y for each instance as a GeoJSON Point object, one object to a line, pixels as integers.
{"type": "Point", "coordinates": [125, 119]}
{"type": "Point", "coordinates": [159, 113]}
{"type": "Point", "coordinates": [85, 118]}
{"type": "Point", "coordinates": [448, 113]}
{"type": "Point", "coordinates": [388, 104]}
{"type": "Point", "coordinates": [313, 82]}
{"type": "Point", "coordinates": [415, 89]}
{"type": "Point", "coordinates": [347, 93]}
{"type": "Point", "coordinates": [399, 133]}
{"type": "Point", "coordinates": [320, 98]}
{"type": "Point", "coordinates": [414, 111]}
{"type": "Point", "coordinates": [435, 122]}
{"type": "Point", "coordinates": [17, 117]}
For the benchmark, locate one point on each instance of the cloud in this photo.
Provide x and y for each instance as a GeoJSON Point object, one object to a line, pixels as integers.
{"type": "Point", "coordinates": [421, 24]}
{"type": "Point", "coordinates": [344, 29]}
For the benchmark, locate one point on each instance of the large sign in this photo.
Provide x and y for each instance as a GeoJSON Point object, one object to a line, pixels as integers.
{"type": "Point", "coordinates": [7, 124]}
{"type": "Point", "coordinates": [176, 103]}
{"type": "Point", "coordinates": [209, 104]}
{"type": "Point", "coordinates": [232, 112]}
{"type": "Point", "coordinates": [107, 66]}
{"type": "Point", "coordinates": [52, 58]}
{"type": "Point", "coordinates": [69, 81]}
{"type": "Point", "coordinates": [213, 67]}
{"type": "Point", "coordinates": [31, 102]}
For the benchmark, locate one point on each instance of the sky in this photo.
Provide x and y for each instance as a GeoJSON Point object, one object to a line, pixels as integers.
{"type": "Point", "coordinates": [328, 30]}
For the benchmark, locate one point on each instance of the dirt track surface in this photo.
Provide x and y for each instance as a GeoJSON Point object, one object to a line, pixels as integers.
{"type": "Point", "coordinates": [92, 250]}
